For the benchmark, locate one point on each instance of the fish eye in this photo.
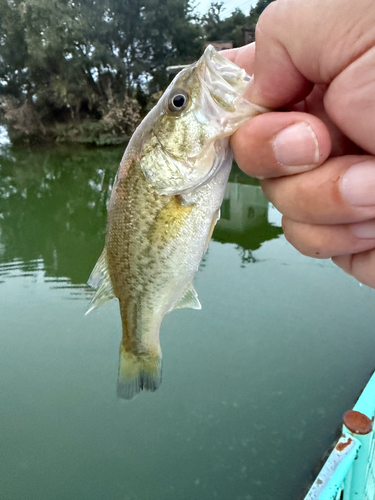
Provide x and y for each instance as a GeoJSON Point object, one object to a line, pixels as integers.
{"type": "Point", "coordinates": [178, 100]}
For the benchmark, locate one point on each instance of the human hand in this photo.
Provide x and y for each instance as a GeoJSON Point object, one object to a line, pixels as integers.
{"type": "Point", "coordinates": [316, 60]}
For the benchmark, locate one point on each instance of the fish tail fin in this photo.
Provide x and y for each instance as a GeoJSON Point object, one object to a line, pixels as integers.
{"type": "Point", "coordinates": [137, 372]}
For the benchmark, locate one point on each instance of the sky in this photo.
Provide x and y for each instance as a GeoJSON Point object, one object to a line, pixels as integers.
{"type": "Point", "coordinates": [229, 6]}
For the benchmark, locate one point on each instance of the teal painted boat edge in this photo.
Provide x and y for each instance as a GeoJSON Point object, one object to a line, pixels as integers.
{"type": "Point", "coordinates": [356, 483]}
{"type": "Point", "coordinates": [328, 484]}
{"type": "Point", "coordinates": [349, 472]}
{"type": "Point", "coordinates": [360, 484]}
{"type": "Point", "coordinates": [366, 401]}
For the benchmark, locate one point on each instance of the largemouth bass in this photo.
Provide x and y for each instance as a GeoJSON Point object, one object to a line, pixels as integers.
{"type": "Point", "coordinates": [164, 206]}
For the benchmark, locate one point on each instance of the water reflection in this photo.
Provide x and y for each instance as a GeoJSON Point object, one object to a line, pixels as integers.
{"type": "Point", "coordinates": [255, 383]}
{"type": "Point", "coordinates": [53, 207]}
{"type": "Point", "coordinates": [244, 218]}
{"type": "Point", "coordinates": [53, 210]}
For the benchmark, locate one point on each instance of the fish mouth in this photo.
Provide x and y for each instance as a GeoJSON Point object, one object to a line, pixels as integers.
{"type": "Point", "coordinates": [226, 81]}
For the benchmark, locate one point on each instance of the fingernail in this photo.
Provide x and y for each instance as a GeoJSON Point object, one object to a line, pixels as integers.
{"type": "Point", "coordinates": [364, 229]}
{"type": "Point", "coordinates": [296, 146]}
{"type": "Point", "coordinates": [358, 184]}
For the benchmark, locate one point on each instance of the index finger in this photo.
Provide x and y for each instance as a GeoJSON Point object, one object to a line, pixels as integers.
{"type": "Point", "coordinates": [295, 50]}
{"type": "Point", "coordinates": [243, 57]}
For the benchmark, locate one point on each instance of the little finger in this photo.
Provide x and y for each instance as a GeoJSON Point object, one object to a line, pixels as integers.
{"type": "Point", "coordinates": [326, 241]}
{"type": "Point", "coordinates": [360, 265]}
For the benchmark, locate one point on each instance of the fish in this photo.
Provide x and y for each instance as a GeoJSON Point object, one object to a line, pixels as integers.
{"type": "Point", "coordinates": [163, 208]}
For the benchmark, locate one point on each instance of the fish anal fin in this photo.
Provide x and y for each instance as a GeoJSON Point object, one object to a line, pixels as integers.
{"type": "Point", "coordinates": [189, 299]}
{"type": "Point", "coordinates": [100, 279]}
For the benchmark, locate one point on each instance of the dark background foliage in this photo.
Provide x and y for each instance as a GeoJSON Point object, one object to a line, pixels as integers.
{"type": "Point", "coordinates": [86, 70]}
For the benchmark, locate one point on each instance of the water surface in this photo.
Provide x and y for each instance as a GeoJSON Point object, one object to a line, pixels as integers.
{"type": "Point", "coordinates": [254, 384]}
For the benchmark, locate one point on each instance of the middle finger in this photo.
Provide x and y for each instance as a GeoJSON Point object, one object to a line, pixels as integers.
{"type": "Point", "coordinates": [340, 191]}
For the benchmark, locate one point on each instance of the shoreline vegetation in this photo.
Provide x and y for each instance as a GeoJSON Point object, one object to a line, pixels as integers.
{"type": "Point", "coordinates": [84, 71]}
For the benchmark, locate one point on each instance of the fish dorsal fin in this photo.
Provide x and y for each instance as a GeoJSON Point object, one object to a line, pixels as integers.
{"type": "Point", "coordinates": [100, 279]}
{"type": "Point", "coordinates": [189, 299]}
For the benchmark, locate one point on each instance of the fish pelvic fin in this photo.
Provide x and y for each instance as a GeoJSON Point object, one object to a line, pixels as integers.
{"type": "Point", "coordinates": [137, 372]}
{"type": "Point", "coordinates": [100, 279]}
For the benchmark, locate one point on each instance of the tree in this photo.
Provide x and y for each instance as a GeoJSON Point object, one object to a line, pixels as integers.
{"type": "Point", "coordinates": [71, 69]}
{"type": "Point", "coordinates": [227, 29]}
{"type": "Point", "coordinates": [256, 11]}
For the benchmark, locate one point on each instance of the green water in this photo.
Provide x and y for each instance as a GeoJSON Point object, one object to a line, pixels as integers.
{"type": "Point", "coordinates": [254, 385]}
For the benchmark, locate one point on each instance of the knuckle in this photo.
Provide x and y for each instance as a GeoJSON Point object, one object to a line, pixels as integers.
{"type": "Point", "coordinates": [267, 18]}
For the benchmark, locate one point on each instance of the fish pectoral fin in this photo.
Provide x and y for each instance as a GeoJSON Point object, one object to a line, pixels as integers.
{"type": "Point", "coordinates": [215, 218]}
{"type": "Point", "coordinates": [100, 279]}
{"type": "Point", "coordinates": [189, 299]}
{"type": "Point", "coordinates": [170, 220]}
